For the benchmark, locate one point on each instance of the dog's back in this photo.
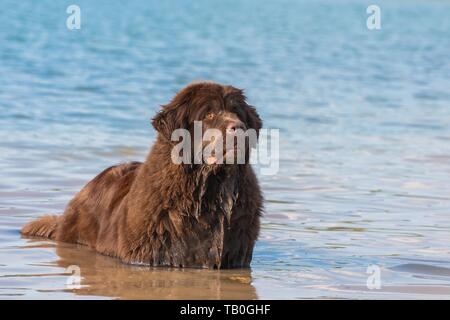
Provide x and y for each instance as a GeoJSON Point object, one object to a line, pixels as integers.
{"type": "Point", "coordinates": [90, 211]}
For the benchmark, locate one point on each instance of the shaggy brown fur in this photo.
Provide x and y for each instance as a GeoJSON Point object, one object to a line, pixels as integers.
{"type": "Point", "coordinates": [165, 214]}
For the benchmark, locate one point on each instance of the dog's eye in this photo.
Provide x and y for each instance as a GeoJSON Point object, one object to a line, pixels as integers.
{"type": "Point", "coordinates": [209, 116]}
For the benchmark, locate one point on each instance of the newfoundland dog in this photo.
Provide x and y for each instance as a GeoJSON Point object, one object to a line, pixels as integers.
{"type": "Point", "coordinates": [160, 213]}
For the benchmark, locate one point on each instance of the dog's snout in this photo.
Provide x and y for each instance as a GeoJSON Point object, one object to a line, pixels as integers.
{"type": "Point", "coordinates": [235, 125]}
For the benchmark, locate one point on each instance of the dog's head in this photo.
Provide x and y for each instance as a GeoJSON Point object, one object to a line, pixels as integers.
{"type": "Point", "coordinates": [229, 126]}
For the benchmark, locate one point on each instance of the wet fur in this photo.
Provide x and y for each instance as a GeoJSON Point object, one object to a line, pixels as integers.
{"type": "Point", "coordinates": [162, 214]}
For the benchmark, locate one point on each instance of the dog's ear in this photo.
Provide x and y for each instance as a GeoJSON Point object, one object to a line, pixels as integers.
{"type": "Point", "coordinates": [172, 116]}
{"type": "Point", "coordinates": [163, 122]}
{"type": "Point", "coordinates": [253, 119]}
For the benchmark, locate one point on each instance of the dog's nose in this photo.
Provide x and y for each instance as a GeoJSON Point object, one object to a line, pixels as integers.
{"type": "Point", "coordinates": [235, 125]}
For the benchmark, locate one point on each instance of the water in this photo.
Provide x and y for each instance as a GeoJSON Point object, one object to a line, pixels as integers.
{"type": "Point", "coordinates": [363, 118]}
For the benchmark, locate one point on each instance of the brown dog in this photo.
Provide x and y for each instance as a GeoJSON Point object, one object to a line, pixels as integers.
{"type": "Point", "coordinates": [165, 214]}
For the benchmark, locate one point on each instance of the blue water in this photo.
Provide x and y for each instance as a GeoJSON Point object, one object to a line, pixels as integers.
{"type": "Point", "coordinates": [364, 120]}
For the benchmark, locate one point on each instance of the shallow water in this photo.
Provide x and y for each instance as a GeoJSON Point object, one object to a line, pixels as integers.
{"type": "Point", "coordinates": [364, 125]}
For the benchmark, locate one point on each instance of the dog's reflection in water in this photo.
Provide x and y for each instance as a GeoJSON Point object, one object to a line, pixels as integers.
{"type": "Point", "coordinates": [108, 277]}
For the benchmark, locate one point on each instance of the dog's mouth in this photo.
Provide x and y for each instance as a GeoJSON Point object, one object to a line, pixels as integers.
{"type": "Point", "coordinates": [232, 155]}
{"type": "Point", "coordinates": [235, 151]}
